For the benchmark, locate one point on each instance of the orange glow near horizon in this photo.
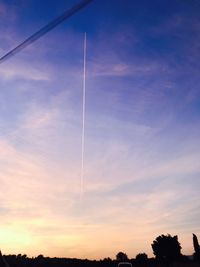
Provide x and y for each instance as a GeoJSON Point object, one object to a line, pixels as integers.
{"type": "Point", "coordinates": [140, 177]}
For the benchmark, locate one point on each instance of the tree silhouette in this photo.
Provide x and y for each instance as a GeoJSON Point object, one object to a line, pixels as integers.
{"type": "Point", "coordinates": [121, 256]}
{"type": "Point", "coordinates": [167, 248]}
{"type": "Point", "coordinates": [142, 257]}
{"type": "Point", "coordinates": [196, 247]}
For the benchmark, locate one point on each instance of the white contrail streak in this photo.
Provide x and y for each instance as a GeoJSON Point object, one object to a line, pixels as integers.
{"type": "Point", "coordinates": [83, 119]}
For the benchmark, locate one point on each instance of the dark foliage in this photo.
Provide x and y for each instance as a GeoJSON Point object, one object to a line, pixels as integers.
{"type": "Point", "coordinates": [167, 248]}
{"type": "Point", "coordinates": [141, 257]}
{"type": "Point", "coordinates": [41, 261]}
{"type": "Point", "coordinates": [3, 262]}
{"type": "Point", "coordinates": [121, 256]}
{"type": "Point", "coordinates": [196, 248]}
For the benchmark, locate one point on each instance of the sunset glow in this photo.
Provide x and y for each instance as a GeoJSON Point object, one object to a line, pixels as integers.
{"type": "Point", "coordinates": [142, 145]}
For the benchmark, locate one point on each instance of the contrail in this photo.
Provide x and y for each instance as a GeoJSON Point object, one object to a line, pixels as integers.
{"type": "Point", "coordinates": [83, 118]}
{"type": "Point", "coordinates": [45, 29]}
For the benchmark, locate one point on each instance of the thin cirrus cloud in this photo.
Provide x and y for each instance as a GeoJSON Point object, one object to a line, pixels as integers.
{"type": "Point", "coordinates": [120, 69]}
{"type": "Point", "coordinates": [25, 72]}
{"type": "Point", "coordinates": [141, 154]}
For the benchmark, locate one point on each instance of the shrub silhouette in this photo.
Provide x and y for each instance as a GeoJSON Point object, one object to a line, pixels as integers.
{"type": "Point", "coordinates": [121, 256]}
{"type": "Point", "coordinates": [142, 257]}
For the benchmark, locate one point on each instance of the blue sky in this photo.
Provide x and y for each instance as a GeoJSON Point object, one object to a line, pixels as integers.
{"type": "Point", "coordinates": [142, 148]}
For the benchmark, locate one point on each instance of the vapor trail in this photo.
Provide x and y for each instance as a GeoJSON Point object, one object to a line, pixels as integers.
{"type": "Point", "coordinates": [45, 29]}
{"type": "Point", "coordinates": [83, 117]}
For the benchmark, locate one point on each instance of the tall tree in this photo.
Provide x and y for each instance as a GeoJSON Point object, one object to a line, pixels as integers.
{"type": "Point", "coordinates": [166, 248]}
{"type": "Point", "coordinates": [196, 247]}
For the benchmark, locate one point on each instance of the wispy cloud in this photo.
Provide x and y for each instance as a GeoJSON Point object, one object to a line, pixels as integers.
{"type": "Point", "coordinates": [141, 141]}
{"type": "Point", "coordinates": [9, 71]}
{"type": "Point", "coordinates": [121, 69]}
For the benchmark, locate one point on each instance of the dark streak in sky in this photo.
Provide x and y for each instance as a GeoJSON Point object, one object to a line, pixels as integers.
{"type": "Point", "coordinates": [45, 29]}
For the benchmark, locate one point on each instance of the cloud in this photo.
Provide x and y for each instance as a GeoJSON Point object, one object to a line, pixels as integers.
{"type": "Point", "coordinates": [139, 148]}
{"type": "Point", "coordinates": [9, 71]}
{"type": "Point", "coordinates": [119, 58]}
{"type": "Point", "coordinates": [3, 10]}
{"type": "Point", "coordinates": [37, 119]}
{"type": "Point", "coordinates": [8, 12]}
{"type": "Point", "coordinates": [35, 157]}
{"type": "Point", "coordinates": [121, 69]}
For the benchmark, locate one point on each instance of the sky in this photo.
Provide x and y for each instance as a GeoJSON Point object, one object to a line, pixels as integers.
{"type": "Point", "coordinates": [142, 146]}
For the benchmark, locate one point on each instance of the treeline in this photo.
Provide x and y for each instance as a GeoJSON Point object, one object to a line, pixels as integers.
{"type": "Point", "coordinates": [166, 249]}
{"type": "Point", "coordinates": [40, 261]}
